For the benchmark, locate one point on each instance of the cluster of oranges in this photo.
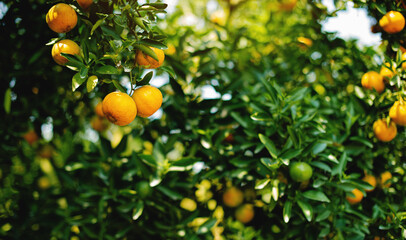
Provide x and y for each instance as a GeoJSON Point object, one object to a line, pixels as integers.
{"type": "Point", "coordinates": [117, 107]}
{"type": "Point", "coordinates": [385, 129]}
{"type": "Point", "coordinates": [384, 181]}
{"type": "Point", "coordinates": [62, 18]}
{"type": "Point", "coordinates": [233, 197]}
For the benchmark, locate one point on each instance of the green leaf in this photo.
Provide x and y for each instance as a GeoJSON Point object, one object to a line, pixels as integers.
{"type": "Point", "coordinates": [96, 25]}
{"type": "Point", "coordinates": [107, 69]}
{"type": "Point", "coordinates": [307, 210]}
{"type": "Point", "coordinates": [145, 80]}
{"type": "Point", "coordinates": [77, 81]}
{"type": "Point", "coordinates": [270, 163]}
{"type": "Point", "coordinates": [83, 72]}
{"type": "Point", "coordinates": [158, 5]}
{"type": "Point", "coordinates": [362, 140]}
{"type": "Point", "coordinates": [170, 193]}
{"type": "Point", "coordinates": [261, 116]}
{"type": "Point", "coordinates": [118, 86]}
{"type": "Point", "coordinates": [91, 83]}
{"type": "Point", "coordinates": [153, 43]}
{"type": "Point", "coordinates": [239, 119]}
{"type": "Point", "coordinates": [261, 184]}
{"type": "Point", "coordinates": [316, 195]}
{"type": "Point", "coordinates": [137, 211]}
{"type": "Point", "coordinates": [287, 211]}
{"type": "Point", "coordinates": [340, 167]}
{"type": "Point", "coordinates": [321, 165]}
{"type": "Point", "coordinates": [318, 148]}
{"type": "Point", "coordinates": [269, 145]}
{"type": "Point", "coordinates": [110, 31]}
{"type": "Point", "coordinates": [323, 215]}
{"type": "Point", "coordinates": [169, 70]}
{"type": "Point", "coordinates": [291, 153]}
{"type": "Point", "coordinates": [139, 22]}
{"type": "Point", "coordinates": [7, 101]}
{"type": "Point", "coordinates": [206, 226]}
{"type": "Point", "coordinates": [147, 50]}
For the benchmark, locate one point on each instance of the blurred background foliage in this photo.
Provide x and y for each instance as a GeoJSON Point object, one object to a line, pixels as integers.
{"type": "Point", "coordinates": [281, 91]}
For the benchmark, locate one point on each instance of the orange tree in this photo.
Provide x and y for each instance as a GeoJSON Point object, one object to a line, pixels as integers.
{"type": "Point", "coordinates": [274, 153]}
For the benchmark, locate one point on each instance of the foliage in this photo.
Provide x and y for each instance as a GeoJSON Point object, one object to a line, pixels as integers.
{"type": "Point", "coordinates": [278, 100]}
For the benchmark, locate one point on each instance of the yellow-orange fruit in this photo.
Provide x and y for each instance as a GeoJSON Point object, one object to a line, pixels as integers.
{"type": "Point", "coordinates": [61, 18]}
{"type": "Point", "coordinates": [245, 213]}
{"type": "Point", "coordinates": [398, 113]}
{"type": "Point", "coordinates": [31, 137]}
{"type": "Point", "coordinates": [233, 197]}
{"type": "Point", "coordinates": [148, 62]}
{"type": "Point", "coordinates": [373, 80]}
{"type": "Point", "coordinates": [384, 178]}
{"type": "Point", "coordinates": [148, 100]}
{"type": "Point", "coordinates": [371, 180]}
{"type": "Point", "coordinates": [119, 108]}
{"type": "Point", "coordinates": [383, 132]}
{"type": "Point", "coordinates": [85, 3]}
{"type": "Point", "coordinates": [357, 196]}
{"type": "Point", "coordinates": [99, 109]}
{"type": "Point", "coordinates": [64, 46]}
{"type": "Point", "coordinates": [392, 22]}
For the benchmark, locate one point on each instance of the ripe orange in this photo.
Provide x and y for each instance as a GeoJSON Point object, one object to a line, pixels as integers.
{"type": "Point", "coordinates": [384, 178]}
{"type": "Point", "coordinates": [357, 196]}
{"type": "Point", "coordinates": [119, 108]}
{"type": "Point", "coordinates": [46, 151]}
{"type": "Point", "coordinates": [373, 80]}
{"type": "Point", "coordinates": [99, 123]}
{"type": "Point", "coordinates": [304, 42]}
{"type": "Point", "coordinates": [233, 197]}
{"type": "Point", "coordinates": [85, 3]}
{"type": "Point", "coordinates": [245, 213]}
{"type": "Point", "coordinates": [148, 62]}
{"type": "Point", "coordinates": [392, 22]}
{"type": "Point", "coordinates": [383, 132]}
{"type": "Point", "coordinates": [99, 109]}
{"type": "Point", "coordinates": [386, 72]}
{"type": "Point", "coordinates": [371, 180]}
{"type": "Point", "coordinates": [31, 137]}
{"type": "Point", "coordinates": [148, 100]}
{"type": "Point", "coordinates": [398, 113]}
{"type": "Point", "coordinates": [61, 18]}
{"type": "Point", "coordinates": [287, 5]}
{"type": "Point", "coordinates": [64, 46]}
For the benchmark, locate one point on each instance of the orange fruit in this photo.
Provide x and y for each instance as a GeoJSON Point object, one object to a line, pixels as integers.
{"type": "Point", "coordinates": [148, 100]}
{"type": "Point", "coordinates": [148, 62]}
{"type": "Point", "coordinates": [373, 80]}
{"type": "Point", "coordinates": [85, 3]}
{"type": "Point", "coordinates": [31, 137]}
{"type": "Point", "coordinates": [385, 176]}
{"type": "Point", "coordinates": [245, 213]}
{"type": "Point", "coordinates": [371, 180]}
{"type": "Point", "coordinates": [99, 109]}
{"type": "Point", "coordinates": [357, 196]}
{"type": "Point", "coordinates": [383, 132]}
{"type": "Point", "coordinates": [233, 197]}
{"type": "Point", "coordinates": [386, 72]}
{"type": "Point", "coordinates": [392, 22]}
{"type": "Point", "coordinates": [64, 46]}
{"type": "Point", "coordinates": [119, 108]}
{"type": "Point", "coordinates": [287, 5]}
{"type": "Point", "coordinates": [398, 113]}
{"type": "Point", "coordinates": [46, 151]}
{"type": "Point", "coordinates": [99, 123]}
{"type": "Point", "coordinates": [304, 42]}
{"type": "Point", "coordinates": [61, 18]}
